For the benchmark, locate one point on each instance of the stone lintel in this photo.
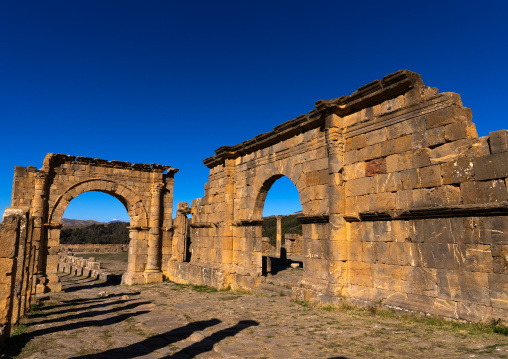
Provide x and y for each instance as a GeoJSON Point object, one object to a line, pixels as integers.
{"type": "Point", "coordinates": [249, 222]}
{"type": "Point", "coordinates": [205, 225]}
{"type": "Point", "coordinates": [324, 218]}
{"type": "Point", "coordinates": [53, 225]}
{"type": "Point", "coordinates": [475, 210]}
{"type": "Point", "coordinates": [390, 86]}
{"type": "Point", "coordinates": [138, 228]}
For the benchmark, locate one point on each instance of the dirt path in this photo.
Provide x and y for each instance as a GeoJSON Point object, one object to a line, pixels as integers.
{"type": "Point", "coordinates": [94, 320]}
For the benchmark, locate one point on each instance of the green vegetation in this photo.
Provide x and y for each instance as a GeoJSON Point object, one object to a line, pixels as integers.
{"type": "Point", "coordinates": [289, 224]}
{"type": "Point", "coordinates": [495, 326]}
{"type": "Point", "coordinates": [110, 233]}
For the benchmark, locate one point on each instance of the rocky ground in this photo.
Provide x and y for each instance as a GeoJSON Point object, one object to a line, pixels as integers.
{"type": "Point", "coordinates": [91, 319]}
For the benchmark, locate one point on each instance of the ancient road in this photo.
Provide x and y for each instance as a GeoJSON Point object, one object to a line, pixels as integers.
{"type": "Point", "coordinates": [93, 320]}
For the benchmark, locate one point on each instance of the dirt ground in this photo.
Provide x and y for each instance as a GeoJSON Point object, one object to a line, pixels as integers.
{"type": "Point", "coordinates": [91, 319]}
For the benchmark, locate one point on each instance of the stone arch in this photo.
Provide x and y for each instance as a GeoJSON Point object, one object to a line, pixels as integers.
{"type": "Point", "coordinates": [131, 201]}
{"type": "Point", "coordinates": [262, 191]}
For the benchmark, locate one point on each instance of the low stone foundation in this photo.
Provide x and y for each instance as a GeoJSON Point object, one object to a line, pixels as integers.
{"type": "Point", "coordinates": [98, 248]}
{"type": "Point", "coordinates": [68, 263]}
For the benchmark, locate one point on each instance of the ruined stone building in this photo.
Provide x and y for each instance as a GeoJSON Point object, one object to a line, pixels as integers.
{"type": "Point", "coordinates": [402, 205]}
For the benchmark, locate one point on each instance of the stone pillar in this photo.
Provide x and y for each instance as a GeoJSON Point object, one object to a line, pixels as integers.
{"type": "Point", "coordinates": [179, 245]}
{"type": "Point", "coordinates": [37, 212]}
{"type": "Point", "coordinates": [134, 273]}
{"type": "Point", "coordinates": [226, 255]}
{"type": "Point", "coordinates": [278, 243]}
{"type": "Point", "coordinates": [339, 246]}
{"type": "Point", "coordinates": [153, 273]}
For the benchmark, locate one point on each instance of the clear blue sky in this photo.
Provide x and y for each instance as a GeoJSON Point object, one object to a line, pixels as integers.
{"type": "Point", "coordinates": [169, 82]}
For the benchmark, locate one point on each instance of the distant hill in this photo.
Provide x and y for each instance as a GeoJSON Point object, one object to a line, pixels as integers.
{"type": "Point", "coordinates": [78, 223]}
{"type": "Point", "coordinates": [96, 233]}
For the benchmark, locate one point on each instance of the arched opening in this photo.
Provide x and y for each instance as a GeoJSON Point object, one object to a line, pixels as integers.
{"type": "Point", "coordinates": [282, 232]}
{"type": "Point", "coordinates": [94, 237]}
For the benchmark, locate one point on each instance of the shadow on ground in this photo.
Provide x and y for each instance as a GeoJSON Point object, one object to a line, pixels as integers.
{"type": "Point", "coordinates": [159, 341]}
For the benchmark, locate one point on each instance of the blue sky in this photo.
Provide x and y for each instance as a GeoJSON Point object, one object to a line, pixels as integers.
{"type": "Point", "coordinates": [169, 82]}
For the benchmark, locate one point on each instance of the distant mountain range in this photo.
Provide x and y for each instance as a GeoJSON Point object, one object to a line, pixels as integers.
{"type": "Point", "coordinates": [81, 223]}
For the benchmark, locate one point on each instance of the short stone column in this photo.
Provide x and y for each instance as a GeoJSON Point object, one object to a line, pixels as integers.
{"type": "Point", "coordinates": [179, 245]}
{"type": "Point", "coordinates": [37, 214]}
{"type": "Point", "coordinates": [153, 273]}
{"type": "Point", "coordinates": [278, 243]}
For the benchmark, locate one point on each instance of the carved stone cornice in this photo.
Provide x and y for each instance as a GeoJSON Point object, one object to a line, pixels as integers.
{"type": "Point", "coordinates": [57, 159]}
{"type": "Point", "coordinates": [469, 210]}
{"type": "Point", "coordinates": [369, 95]}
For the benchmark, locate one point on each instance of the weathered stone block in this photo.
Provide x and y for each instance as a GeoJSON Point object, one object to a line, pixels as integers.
{"type": "Point", "coordinates": [374, 167]}
{"type": "Point", "coordinates": [458, 171]}
{"type": "Point", "coordinates": [360, 186]}
{"type": "Point", "coordinates": [356, 142]}
{"type": "Point", "coordinates": [369, 153]}
{"type": "Point", "coordinates": [360, 273]}
{"type": "Point", "coordinates": [393, 164]}
{"type": "Point", "coordinates": [469, 148]}
{"type": "Point", "coordinates": [418, 280]}
{"type": "Point", "coordinates": [382, 201]}
{"type": "Point", "coordinates": [409, 178]}
{"type": "Point", "coordinates": [448, 115]}
{"type": "Point", "coordinates": [474, 312]}
{"type": "Point", "coordinates": [429, 176]}
{"type": "Point", "coordinates": [474, 287]}
{"type": "Point", "coordinates": [498, 141]}
{"type": "Point", "coordinates": [376, 136]}
{"type": "Point", "coordinates": [405, 128]}
{"type": "Point", "coordinates": [448, 284]}
{"type": "Point", "coordinates": [478, 258]}
{"type": "Point", "coordinates": [398, 145]}
{"type": "Point", "coordinates": [499, 258]}
{"type": "Point", "coordinates": [429, 138]}
{"type": "Point", "coordinates": [484, 192]}
{"type": "Point", "coordinates": [498, 286]}
{"type": "Point", "coordinates": [387, 277]}
{"type": "Point", "coordinates": [459, 130]}
{"type": "Point", "coordinates": [491, 167]}
{"type": "Point", "coordinates": [389, 182]}
{"type": "Point", "coordinates": [354, 171]}
{"type": "Point", "coordinates": [445, 196]}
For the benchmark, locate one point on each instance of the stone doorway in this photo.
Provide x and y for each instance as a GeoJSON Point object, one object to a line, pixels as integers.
{"type": "Point", "coordinates": [94, 239]}
{"type": "Point", "coordinates": [282, 257]}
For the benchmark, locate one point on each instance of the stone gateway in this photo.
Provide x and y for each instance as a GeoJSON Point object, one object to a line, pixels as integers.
{"type": "Point", "coordinates": [402, 203]}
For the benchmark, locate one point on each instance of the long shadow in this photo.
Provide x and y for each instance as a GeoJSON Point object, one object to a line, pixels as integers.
{"type": "Point", "coordinates": [81, 301]}
{"type": "Point", "coordinates": [17, 343]}
{"type": "Point", "coordinates": [207, 343]}
{"type": "Point", "coordinates": [98, 284]}
{"type": "Point", "coordinates": [156, 342]}
{"type": "Point", "coordinates": [70, 310]}
{"type": "Point", "coordinates": [93, 313]}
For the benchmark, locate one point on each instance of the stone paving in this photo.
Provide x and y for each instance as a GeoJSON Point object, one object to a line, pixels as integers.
{"type": "Point", "coordinates": [90, 319]}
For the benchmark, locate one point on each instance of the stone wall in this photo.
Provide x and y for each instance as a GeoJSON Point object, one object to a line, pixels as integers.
{"type": "Point", "coordinates": [99, 248]}
{"type": "Point", "coordinates": [402, 203]}
{"type": "Point", "coordinates": [17, 265]}
{"type": "Point", "coordinates": [293, 244]}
